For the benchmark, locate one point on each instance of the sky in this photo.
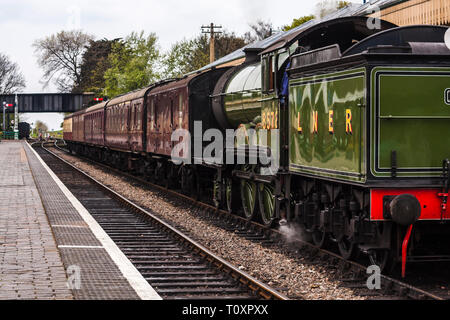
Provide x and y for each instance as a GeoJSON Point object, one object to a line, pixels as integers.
{"type": "Point", "coordinates": [22, 22]}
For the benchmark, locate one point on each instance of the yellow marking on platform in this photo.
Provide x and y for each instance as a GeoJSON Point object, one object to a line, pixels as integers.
{"type": "Point", "coordinates": [23, 155]}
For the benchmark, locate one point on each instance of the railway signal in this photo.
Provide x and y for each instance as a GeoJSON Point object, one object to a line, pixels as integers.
{"type": "Point", "coordinates": [98, 99]}
{"type": "Point", "coordinates": [6, 106]}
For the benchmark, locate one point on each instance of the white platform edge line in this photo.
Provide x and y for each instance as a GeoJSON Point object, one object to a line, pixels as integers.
{"type": "Point", "coordinates": [80, 247]}
{"type": "Point", "coordinates": [68, 226]}
{"type": "Point", "coordinates": [143, 289]}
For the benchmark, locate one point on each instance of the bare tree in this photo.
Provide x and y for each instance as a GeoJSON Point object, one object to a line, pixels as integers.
{"type": "Point", "coordinates": [60, 56]}
{"type": "Point", "coordinates": [40, 125]}
{"type": "Point", "coordinates": [11, 79]}
{"type": "Point", "coordinates": [260, 30]}
{"type": "Point", "coordinates": [326, 7]}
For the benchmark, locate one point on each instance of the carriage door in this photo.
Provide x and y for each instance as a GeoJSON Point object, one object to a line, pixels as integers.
{"type": "Point", "coordinates": [160, 123]}
{"type": "Point", "coordinates": [151, 125]}
{"type": "Point", "coordinates": [168, 123]}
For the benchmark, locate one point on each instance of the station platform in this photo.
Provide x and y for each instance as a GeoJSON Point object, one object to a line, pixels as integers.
{"type": "Point", "coordinates": [50, 246]}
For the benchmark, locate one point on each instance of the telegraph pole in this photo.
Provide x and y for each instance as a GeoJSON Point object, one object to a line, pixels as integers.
{"type": "Point", "coordinates": [210, 29]}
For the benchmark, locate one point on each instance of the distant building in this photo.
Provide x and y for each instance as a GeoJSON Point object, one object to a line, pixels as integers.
{"type": "Point", "coordinates": [409, 12]}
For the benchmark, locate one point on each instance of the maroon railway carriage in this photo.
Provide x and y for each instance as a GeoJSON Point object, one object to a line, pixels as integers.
{"type": "Point", "coordinates": [125, 122]}
{"type": "Point", "coordinates": [94, 118]}
{"type": "Point", "coordinates": [134, 130]}
{"type": "Point", "coordinates": [78, 126]}
{"type": "Point", "coordinates": [177, 105]}
{"type": "Point", "coordinates": [172, 106]}
{"type": "Point", "coordinates": [167, 110]}
{"type": "Point", "coordinates": [67, 128]}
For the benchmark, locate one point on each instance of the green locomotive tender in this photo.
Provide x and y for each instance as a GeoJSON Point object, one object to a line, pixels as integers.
{"type": "Point", "coordinates": [369, 142]}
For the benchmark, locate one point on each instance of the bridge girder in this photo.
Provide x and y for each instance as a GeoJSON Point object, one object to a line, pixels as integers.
{"type": "Point", "coordinates": [48, 102]}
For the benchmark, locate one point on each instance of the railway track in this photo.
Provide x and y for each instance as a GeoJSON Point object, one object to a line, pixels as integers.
{"type": "Point", "coordinates": [175, 265]}
{"type": "Point", "coordinates": [351, 274]}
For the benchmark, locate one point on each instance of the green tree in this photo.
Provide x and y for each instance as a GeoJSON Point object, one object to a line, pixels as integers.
{"type": "Point", "coordinates": [297, 22]}
{"type": "Point", "coordinates": [342, 4]}
{"type": "Point", "coordinates": [189, 55]}
{"type": "Point", "coordinates": [134, 64]}
{"type": "Point", "coordinates": [94, 64]}
{"type": "Point", "coordinates": [184, 56]}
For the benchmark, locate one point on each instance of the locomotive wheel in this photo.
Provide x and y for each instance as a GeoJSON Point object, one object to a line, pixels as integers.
{"type": "Point", "coordinates": [346, 245]}
{"type": "Point", "coordinates": [151, 172]}
{"type": "Point", "coordinates": [266, 201]}
{"type": "Point", "coordinates": [347, 248]}
{"type": "Point", "coordinates": [248, 195]}
{"type": "Point", "coordinates": [188, 181]}
{"type": "Point", "coordinates": [386, 258]}
{"type": "Point", "coordinates": [320, 238]}
{"type": "Point", "coordinates": [381, 258]}
{"type": "Point", "coordinates": [231, 195]}
{"type": "Point", "coordinates": [160, 174]}
{"type": "Point", "coordinates": [197, 187]}
{"type": "Point", "coordinates": [171, 176]}
{"type": "Point", "coordinates": [217, 190]}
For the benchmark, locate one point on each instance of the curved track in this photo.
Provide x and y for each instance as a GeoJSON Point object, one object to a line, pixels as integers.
{"type": "Point", "coordinates": [352, 274]}
{"type": "Point", "coordinates": [175, 265]}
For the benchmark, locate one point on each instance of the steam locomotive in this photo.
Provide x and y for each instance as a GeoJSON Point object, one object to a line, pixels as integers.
{"type": "Point", "coordinates": [336, 125]}
{"type": "Point", "coordinates": [24, 130]}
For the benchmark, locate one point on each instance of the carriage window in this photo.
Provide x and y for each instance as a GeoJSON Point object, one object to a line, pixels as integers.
{"type": "Point", "coordinates": [133, 117]}
{"type": "Point", "coordinates": [138, 115]}
{"type": "Point", "coordinates": [180, 110]}
{"type": "Point", "coordinates": [122, 120]}
{"type": "Point", "coordinates": [171, 113]}
{"type": "Point", "coordinates": [268, 67]}
{"type": "Point", "coordinates": [119, 120]}
{"type": "Point", "coordinates": [136, 108]}
{"type": "Point", "coordinates": [132, 120]}
{"type": "Point", "coordinates": [152, 115]}
{"type": "Point", "coordinates": [271, 74]}
{"type": "Point", "coordinates": [282, 57]}
{"type": "Point", "coordinates": [116, 120]}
